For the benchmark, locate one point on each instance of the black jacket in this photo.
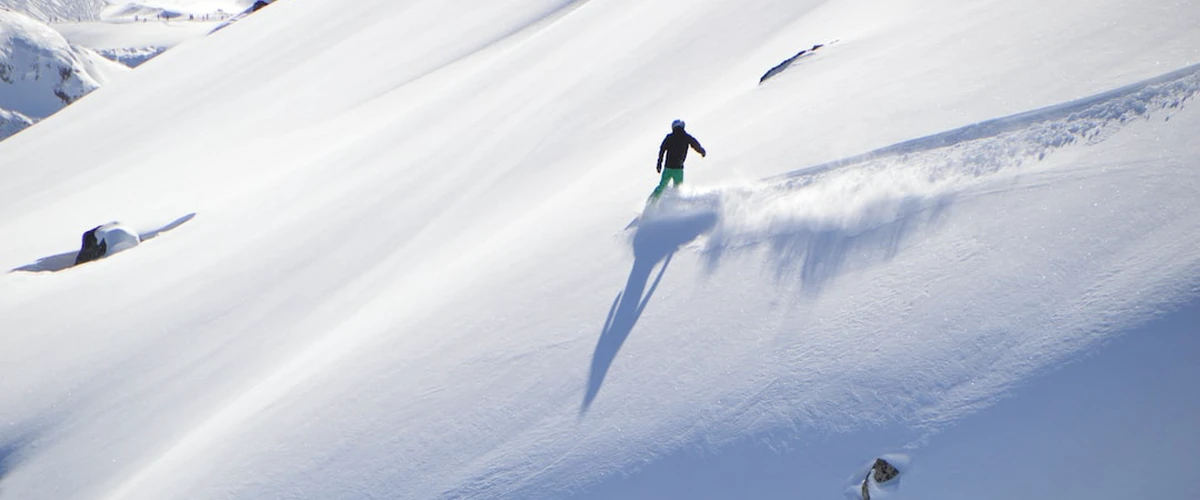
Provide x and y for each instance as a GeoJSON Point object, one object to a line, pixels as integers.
{"type": "Point", "coordinates": [675, 145]}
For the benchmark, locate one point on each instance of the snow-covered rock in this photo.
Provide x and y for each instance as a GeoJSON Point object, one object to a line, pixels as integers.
{"type": "Point", "coordinates": [132, 56]}
{"type": "Point", "coordinates": [107, 239]}
{"type": "Point", "coordinates": [40, 72]}
{"type": "Point", "coordinates": [12, 122]}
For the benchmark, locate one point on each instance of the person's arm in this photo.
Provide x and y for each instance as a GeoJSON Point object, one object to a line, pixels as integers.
{"type": "Point", "coordinates": [662, 149]}
{"type": "Point", "coordinates": [696, 145]}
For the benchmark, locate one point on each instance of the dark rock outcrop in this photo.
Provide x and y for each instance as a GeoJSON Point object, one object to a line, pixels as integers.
{"type": "Point", "coordinates": [788, 62]}
{"type": "Point", "coordinates": [882, 472]}
{"type": "Point", "coordinates": [92, 247]}
{"type": "Point", "coordinates": [105, 240]}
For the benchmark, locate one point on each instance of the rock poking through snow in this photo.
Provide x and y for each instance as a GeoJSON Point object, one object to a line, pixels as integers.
{"type": "Point", "coordinates": [779, 68]}
{"type": "Point", "coordinates": [881, 472]}
{"type": "Point", "coordinates": [105, 240]}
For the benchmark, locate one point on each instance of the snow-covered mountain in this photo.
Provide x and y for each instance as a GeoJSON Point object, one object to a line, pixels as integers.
{"type": "Point", "coordinates": [397, 249]}
{"type": "Point", "coordinates": [31, 50]}
{"type": "Point", "coordinates": [40, 72]}
{"type": "Point", "coordinates": [124, 31]}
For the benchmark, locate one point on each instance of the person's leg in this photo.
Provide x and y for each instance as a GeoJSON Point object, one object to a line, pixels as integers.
{"type": "Point", "coordinates": [662, 184]}
{"type": "Point", "coordinates": [676, 177]}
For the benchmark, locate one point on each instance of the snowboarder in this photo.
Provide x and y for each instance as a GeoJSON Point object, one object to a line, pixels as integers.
{"type": "Point", "coordinates": [675, 146]}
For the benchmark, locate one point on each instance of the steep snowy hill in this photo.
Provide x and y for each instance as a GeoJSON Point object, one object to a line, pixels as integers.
{"type": "Point", "coordinates": [57, 10]}
{"type": "Point", "coordinates": [397, 250]}
{"type": "Point", "coordinates": [40, 72]}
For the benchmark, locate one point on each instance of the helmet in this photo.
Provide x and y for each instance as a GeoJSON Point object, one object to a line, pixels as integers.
{"type": "Point", "coordinates": [677, 124]}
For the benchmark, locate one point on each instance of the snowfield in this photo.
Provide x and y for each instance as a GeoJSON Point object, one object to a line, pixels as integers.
{"type": "Point", "coordinates": [398, 250]}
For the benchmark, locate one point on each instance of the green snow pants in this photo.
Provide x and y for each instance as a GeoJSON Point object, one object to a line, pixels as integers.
{"type": "Point", "coordinates": [672, 175]}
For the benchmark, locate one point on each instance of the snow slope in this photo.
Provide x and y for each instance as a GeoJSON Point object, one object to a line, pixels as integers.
{"type": "Point", "coordinates": [40, 72]}
{"type": "Point", "coordinates": [412, 274]}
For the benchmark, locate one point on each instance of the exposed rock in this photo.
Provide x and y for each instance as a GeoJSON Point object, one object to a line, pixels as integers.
{"type": "Point", "coordinates": [882, 472]}
{"type": "Point", "coordinates": [91, 248]}
{"type": "Point", "coordinates": [788, 62]}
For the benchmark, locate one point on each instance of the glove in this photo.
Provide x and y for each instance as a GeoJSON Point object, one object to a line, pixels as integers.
{"type": "Point", "coordinates": [658, 168]}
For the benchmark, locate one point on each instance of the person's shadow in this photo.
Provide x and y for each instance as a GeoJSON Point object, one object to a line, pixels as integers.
{"type": "Point", "coordinates": [654, 241]}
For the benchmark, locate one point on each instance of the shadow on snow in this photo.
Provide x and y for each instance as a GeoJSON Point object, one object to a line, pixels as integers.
{"type": "Point", "coordinates": [8, 459]}
{"type": "Point", "coordinates": [11, 451]}
{"type": "Point", "coordinates": [653, 242]}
